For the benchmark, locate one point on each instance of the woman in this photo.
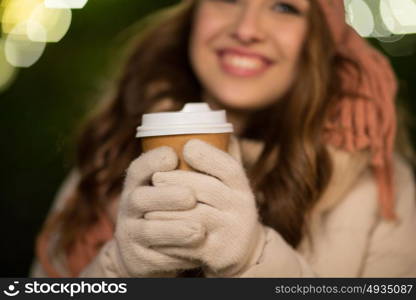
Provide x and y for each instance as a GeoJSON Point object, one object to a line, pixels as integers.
{"type": "Point", "coordinates": [310, 186]}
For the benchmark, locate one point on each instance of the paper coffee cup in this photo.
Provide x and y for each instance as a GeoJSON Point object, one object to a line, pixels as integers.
{"type": "Point", "coordinates": [174, 129]}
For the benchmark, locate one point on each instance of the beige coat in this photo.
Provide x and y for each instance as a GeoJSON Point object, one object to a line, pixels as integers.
{"type": "Point", "coordinates": [349, 238]}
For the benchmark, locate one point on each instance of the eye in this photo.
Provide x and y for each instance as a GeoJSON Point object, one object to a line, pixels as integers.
{"type": "Point", "coordinates": [284, 7]}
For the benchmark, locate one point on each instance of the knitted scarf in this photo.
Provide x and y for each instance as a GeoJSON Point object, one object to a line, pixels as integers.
{"type": "Point", "coordinates": [365, 117]}
{"type": "Point", "coordinates": [363, 121]}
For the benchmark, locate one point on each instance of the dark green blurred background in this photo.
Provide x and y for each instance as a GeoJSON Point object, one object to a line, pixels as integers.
{"type": "Point", "coordinates": [45, 104]}
{"type": "Point", "coordinates": [40, 112]}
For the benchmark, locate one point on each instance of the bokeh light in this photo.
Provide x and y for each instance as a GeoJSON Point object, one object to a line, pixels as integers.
{"type": "Point", "coordinates": [74, 4]}
{"type": "Point", "coordinates": [382, 18]}
{"type": "Point", "coordinates": [7, 71]}
{"type": "Point", "coordinates": [16, 12]}
{"type": "Point", "coordinates": [21, 51]}
{"type": "Point", "coordinates": [54, 21]}
{"type": "Point", "coordinates": [359, 16]}
{"type": "Point", "coordinates": [388, 17]}
{"type": "Point", "coordinates": [399, 15]}
{"type": "Point", "coordinates": [27, 25]}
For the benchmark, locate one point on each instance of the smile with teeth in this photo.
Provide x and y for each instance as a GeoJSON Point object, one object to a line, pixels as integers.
{"type": "Point", "coordinates": [243, 62]}
{"type": "Point", "coordinates": [239, 64]}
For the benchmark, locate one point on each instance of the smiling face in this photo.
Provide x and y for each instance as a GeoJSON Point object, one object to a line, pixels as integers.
{"type": "Point", "coordinates": [246, 52]}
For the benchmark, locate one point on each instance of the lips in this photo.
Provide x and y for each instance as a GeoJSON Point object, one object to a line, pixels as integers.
{"type": "Point", "coordinates": [243, 63]}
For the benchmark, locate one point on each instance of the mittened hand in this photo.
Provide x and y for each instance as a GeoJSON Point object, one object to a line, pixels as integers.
{"type": "Point", "coordinates": [226, 211]}
{"type": "Point", "coordinates": [136, 235]}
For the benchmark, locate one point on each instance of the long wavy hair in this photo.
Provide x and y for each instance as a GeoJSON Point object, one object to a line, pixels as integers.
{"type": "Point", "coordinates": [286, 190]}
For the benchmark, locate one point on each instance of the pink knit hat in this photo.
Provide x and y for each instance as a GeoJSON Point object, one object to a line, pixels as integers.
{"type": "Point", "coordinates": [367, 120]}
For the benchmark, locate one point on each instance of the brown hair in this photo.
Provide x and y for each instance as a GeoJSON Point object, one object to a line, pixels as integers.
{"type": "Point", "coordinates": [294, 125]}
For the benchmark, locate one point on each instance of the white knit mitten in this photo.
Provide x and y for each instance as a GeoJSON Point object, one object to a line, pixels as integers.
{"type": "Point", "coordinates": [226, 210]}
{"type": "Point", "coordinates": [129, 253]}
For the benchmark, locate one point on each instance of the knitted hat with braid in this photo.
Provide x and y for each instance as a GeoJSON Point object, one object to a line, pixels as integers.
{"type": "Point", "coordinates": [365, 117]}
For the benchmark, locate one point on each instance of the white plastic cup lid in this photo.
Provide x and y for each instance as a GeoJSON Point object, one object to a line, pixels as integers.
{"type": "Point", "coordinates": [194, 118]}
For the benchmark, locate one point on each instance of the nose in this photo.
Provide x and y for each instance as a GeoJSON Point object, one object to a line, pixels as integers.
{"type": "Point", "coordinates": [247, 26]}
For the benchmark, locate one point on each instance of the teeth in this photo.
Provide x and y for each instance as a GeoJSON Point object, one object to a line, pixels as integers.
{"type": "Point", "coordinates": [243, 62]}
